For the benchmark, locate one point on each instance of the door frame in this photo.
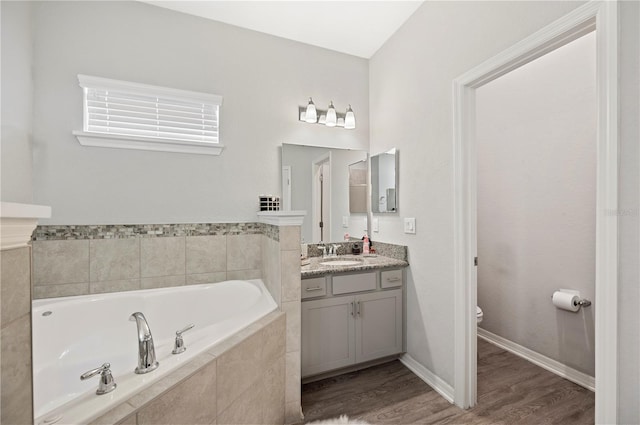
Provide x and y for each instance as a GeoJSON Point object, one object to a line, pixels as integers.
{"type": "Point", "coordinates": [601, 16]}
{"type": "Point", "coordinates": [316, 164]}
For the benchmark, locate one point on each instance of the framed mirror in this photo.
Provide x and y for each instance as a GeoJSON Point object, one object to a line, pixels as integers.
{"type": "Point", "coordinates": [318, 180]}
{"type": "Point", "coordinates": [384, 182]}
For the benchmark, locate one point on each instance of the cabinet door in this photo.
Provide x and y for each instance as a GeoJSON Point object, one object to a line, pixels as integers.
{"type": "Point", "coordinates": [328, 333]}
{"type": "Point", "coordinates": [378, 324]}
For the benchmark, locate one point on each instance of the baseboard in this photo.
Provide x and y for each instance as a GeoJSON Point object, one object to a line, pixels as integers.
{"type": "Point", "coordinates": [434, 381]}
{"type": "Point", "coordinates": [538, 359]}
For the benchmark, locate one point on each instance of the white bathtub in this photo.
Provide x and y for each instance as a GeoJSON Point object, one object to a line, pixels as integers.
{"type": "Point", "coordinates": [83, 332]}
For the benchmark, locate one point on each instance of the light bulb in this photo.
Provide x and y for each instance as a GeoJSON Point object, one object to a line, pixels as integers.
{"type": "Point", "coordinates": [331, 116]}
{"type": "Point", "coordinates": [350, 119]}
{"type": "Point", "coordinates": [311, 116]}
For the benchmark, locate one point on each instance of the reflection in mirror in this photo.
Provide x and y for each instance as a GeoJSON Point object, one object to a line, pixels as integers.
{"type": "Point", "coordinates": [319, 183]}
{"type": "Point", "coordinates": [384, 182]}
{"type": "Point", "coordinates": [358, 187]}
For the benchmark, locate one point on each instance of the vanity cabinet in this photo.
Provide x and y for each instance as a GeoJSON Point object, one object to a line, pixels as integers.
{"type": "Point", "coordinates": [350, 328]}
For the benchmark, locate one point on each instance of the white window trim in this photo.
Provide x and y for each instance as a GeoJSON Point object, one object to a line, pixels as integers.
{"type": "Point", "coordinates": [95, 139]}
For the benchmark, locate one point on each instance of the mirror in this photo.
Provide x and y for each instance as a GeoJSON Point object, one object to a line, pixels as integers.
{"type": "Point", "coordinates": [384, 182]}
{"type": "Point", "coordinates": [318, 180]}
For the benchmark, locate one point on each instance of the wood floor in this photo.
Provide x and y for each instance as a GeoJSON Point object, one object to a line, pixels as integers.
{"type": "Point", "coordinates": [510, 391]}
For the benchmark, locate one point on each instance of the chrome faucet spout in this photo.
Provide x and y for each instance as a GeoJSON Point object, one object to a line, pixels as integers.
{"type": "Point", "coordinates": [146, 350]}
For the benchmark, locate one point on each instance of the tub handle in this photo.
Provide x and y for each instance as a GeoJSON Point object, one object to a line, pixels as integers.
{"type": "Point", "coordinates": [106, 384]}
{"type": "Point", "coordinates": [179, 347]}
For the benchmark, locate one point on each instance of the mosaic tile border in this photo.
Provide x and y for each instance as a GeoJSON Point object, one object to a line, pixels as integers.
{"type": "Point", "coordinates": [125, 231]}
{"type": "Point", "coordinates": [271, 231]}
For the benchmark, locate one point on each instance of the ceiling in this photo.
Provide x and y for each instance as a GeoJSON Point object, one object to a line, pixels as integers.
{"type": "Point", "coordinates": [357, 28]}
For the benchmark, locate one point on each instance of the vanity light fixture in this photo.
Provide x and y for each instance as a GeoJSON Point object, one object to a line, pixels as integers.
{"type": "Point", "coordinates": [311, 115]}
{"type": "Point", "coordinates": [330, 117]}
{"type": "Point", "coordinates": [349, 119]}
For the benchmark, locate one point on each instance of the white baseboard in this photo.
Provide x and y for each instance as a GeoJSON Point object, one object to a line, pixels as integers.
{"type": "Point", "coordinates": [538, 359]}
{"type": "Point", "coordinates": [434, 381]}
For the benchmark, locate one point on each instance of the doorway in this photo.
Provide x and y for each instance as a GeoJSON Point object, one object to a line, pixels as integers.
{"type": "Point", "coordinates": [321, 198]}
{"type": "Point", "coordinates": [600, 16]}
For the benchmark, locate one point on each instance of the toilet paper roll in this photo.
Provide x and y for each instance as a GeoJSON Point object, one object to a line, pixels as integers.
{"type": "Point", "coordinates": [566, 301]}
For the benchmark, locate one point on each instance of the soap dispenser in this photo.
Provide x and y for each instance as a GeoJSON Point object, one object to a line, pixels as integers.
{"type": "Point", "coordinates": [365, 244]}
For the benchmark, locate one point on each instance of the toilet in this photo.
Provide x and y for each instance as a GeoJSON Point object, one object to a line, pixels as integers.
{"type": "Point", "coordinates": [478, 314]}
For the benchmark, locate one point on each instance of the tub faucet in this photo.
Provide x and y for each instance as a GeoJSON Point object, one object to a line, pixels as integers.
{"type": "Point", "coordinates": [146, 351]}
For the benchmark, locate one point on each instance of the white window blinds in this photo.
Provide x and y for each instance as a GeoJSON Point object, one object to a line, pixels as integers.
{"type": "Point", "coordinates": [122, 108]}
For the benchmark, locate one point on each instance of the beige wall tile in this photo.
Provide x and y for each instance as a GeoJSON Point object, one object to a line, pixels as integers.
{"type": "Point", "coordinates": [290, 275]}
{"type": "Point", "coordinates": [114, 286]}
{"type": "Point", "coordinates": [273, 409]}
{"type": "Point", "coordinates": [292, 378]}
{"type": "Point", "coordinates": [197, 279]}
{"type": "Point", "coordinates": [293, 312]}
{"type": "Point", "coordinates": [246, 409]}
{"type": "Point", "coordinates": [15, 269]}
{"type": "Point", "coordinates": [160, 387]}
{"type": "Point", "coordinates": [162, 256]}
{"type": "Point", "coordinates": [114, 259]}
{"type": "Point", "coordinates": [56, 262]}
{"type": "Point", "coordinates": [15, 372]}
{"type": "Point", "coordinates": [292, 413]}
{"type": "Point", "coordinates": [274, 341]}
{"type": "Point", "coordinates": [238, 368]}
{"type": "Point", "coordinates": [193, 401]}
{"type": "Point", "coordinates": [206, 254]}
{"type": "Point", "coordinates": [65, 290]}
{"type": "Point", "coordinates": [243, 252]}
{"type": "Point", "coordinates": [244, 274]}
{"type": "Point", "coordinates": [162, 281]}
{"type": "Point", "coordinates": [122, 414]}
{"type": "Point", "coordinates": [290, 238]}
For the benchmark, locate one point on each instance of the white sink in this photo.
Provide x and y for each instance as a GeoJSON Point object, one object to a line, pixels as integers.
{"type": "Point", "coordinates": [339, 262]}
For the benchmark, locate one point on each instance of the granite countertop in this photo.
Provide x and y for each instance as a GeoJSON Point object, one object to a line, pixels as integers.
{"type": "Point", "coordinates": [365, 262]}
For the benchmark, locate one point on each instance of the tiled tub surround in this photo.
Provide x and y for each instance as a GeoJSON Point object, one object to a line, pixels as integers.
{"type": "Point", "coordinates": [80, 260]}
{"type": "Point", "coordinates": [240, 381]}
{"type": "Point", "coordinates": [15, 336]}
{"type": "Point", "coordinates": [281, 275]}
{"type": "Point", "coordinates": [77, 260]}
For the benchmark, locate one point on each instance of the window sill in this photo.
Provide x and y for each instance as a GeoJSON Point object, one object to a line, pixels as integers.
{"type": "Point", "coordinates": [141, 143]}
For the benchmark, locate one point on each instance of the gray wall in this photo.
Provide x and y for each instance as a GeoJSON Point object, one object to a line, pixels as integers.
{"type": "Point", "coordinates": [414, 71]}
{"type": "Point", "coordinates": [263, 80]}
{"type": "Point", "coordinates": [536, 148]}
{"type": "Point", "coordinates": [17, 102]}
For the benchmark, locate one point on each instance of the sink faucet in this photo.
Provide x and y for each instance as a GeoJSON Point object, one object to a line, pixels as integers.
{"type": "Point", "coordinates": [146, 351]}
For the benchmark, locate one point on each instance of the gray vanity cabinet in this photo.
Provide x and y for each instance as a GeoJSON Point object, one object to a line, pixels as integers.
{"type": "Point", "coordinates": [344, 330]}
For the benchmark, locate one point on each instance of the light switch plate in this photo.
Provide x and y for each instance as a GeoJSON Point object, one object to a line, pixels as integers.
{"type": "Point", "coordinates": [345, 221]}
{"type": "Point", "coordinates": [410, 225]}
{"type": "Point", "coordinates": [375, 225]}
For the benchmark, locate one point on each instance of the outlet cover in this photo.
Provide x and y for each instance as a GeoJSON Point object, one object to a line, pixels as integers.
{"type": "Point", "coordinates": [375, 225]}
{"type": "Point", "coordinates": [410, 225]}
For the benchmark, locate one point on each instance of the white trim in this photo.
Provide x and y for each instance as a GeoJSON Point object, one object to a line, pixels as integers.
{"type": "Point", "coordinates": [146, 144]}
{"type": "Point", "coordinates": [88, 81]}
{"type": "Point", "coordinates": [604, 15]}
{"type": "Point", "coordinates": [430, 378]}
{"type": "Point", "coordinates": [18, 221]}
{"type": "Point", "coordinates": [541, 360]}
{"type": "Point", "coordinates": [282, 218]}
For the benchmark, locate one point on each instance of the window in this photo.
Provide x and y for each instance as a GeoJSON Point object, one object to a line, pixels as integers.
{"type": "Point", "coordinates": [121, 114]}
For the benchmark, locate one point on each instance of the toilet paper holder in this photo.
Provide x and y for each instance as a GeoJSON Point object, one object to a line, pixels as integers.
{"type": "Point", "coordinates": [583, 302]}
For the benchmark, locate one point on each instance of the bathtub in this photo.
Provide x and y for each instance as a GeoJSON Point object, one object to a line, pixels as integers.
{"type": "Point", "coordinates": [72, 335]}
